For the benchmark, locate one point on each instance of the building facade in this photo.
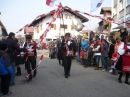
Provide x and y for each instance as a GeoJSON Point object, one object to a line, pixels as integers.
{"type": "Point", "coordinates": [120, 11]}
{"type": "Point", "coordinates": [104, 25]}
{"type": "Point", "coordinates": [60, 26]}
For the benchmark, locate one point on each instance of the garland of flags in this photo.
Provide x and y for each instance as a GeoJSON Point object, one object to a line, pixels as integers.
{"type": "Point", "coordinates": [55, 13]}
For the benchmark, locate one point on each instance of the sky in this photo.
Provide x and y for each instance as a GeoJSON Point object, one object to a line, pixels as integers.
{"type": "Point", "coordinates": [17, 13]}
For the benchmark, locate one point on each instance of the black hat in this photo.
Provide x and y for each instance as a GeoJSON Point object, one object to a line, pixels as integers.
{"type": "Point", "coordinates": [3, 46]}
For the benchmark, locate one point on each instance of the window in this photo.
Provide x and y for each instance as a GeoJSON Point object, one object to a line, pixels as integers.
{"type": "Point", "coordinates": [63, 27]}
{"type": "Point", "coordinates": [41, 27]}
{"type": "Point", "coordinates": [37, 29]}
{"type": "Point", "coordinates": [53, 27]}
{"type": "Point", "coordinates": [72, 28]}
{"type": "Point", "coordinates": [128, 2]}
{"type": "Point", "coordinates": [121, 5]}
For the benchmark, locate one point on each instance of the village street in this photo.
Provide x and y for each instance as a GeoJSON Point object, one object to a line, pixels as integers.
{"type": "Point", "coordinates": [83, 82]}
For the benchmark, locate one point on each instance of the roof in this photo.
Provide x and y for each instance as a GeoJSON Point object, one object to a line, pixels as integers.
{"type": "Point", "coordinates": [1, 24]}
{"type": "Point", "coordinates": [108, 9]}
{"type": "Point", "coordinates": [40, 17]}
{"type": "Point", "coordinates": [4, 32]}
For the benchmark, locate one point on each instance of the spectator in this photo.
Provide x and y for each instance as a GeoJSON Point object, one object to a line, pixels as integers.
{"type": "Point", "coordinates": [97, 53]}
{"type": "Point", "coordinates": [79, 48]}
{"type": "Point", "coordinates": [12, 46]}
{"type": "Point", "coordinates": [123, 34]}
{"type": "Point", "coordinates": [5, 70]}
{"type": "Point", "coordinates": [104, 54]}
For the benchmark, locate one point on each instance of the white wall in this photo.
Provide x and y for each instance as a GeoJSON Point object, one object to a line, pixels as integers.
{"type": "Point", "coordinates": [53, 33]}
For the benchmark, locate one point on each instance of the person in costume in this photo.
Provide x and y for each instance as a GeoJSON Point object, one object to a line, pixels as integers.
{"type": "Point", "coordinates": [123, 50]}
{"type": "Point", "coordinates": [67, 47]}
{"type": "Point", "coordinates": [31, 56]}
{"type": "Point", "coordinates": [59, 53]}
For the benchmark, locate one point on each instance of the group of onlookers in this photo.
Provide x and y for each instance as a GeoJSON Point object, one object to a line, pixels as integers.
{"type": "Point", "coordinates": [12, 54]}
{"type": "Point", "coordinates": [101, 51]}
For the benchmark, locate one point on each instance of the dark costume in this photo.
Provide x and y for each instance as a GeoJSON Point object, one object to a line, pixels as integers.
{"type": "Point", "coordinates": [59, 53]}
{"type": "Point", "coordinates": [31, 58]}
{"type": "Point", "coordinates": [67, 53]}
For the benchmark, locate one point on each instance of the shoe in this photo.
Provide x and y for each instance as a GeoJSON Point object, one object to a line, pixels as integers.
{"type": "Point", "coordinates": [110, 71]}
{"type": "Point", "coordinates": [34, 74]}
{"type": "Point", "coordinates": [17, 74]}
{"type": "Point", "coordinates": [18, 71]}
{"type": "Point", "coordinates": [66, 76]}
{"type": "Point", "coordinates": [104, 70]}
{"type": "Point", "coordinates": [85, 66]}
{"type": "Point", "coordinates": [12, 84]}
{"type": "Point", "coordinates": [119, 80]}
{"type": "Point", "coordinates": [1, 94]}
{"type": "Point", "coordinates": [30, 77]}
{"type": "Point", "coordinates": [9, 93]}
{"type": "Point", "coordinates": [127, 82]}
{"type": "Point", "coordinates": [96, 69]}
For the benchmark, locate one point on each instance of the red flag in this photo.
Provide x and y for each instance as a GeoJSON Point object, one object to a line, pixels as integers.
{"type": "Point", "coordinates": [50, 2]}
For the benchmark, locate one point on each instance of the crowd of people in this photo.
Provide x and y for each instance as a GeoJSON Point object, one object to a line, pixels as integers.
{"type": "Point", "coordinates": [13, 53]}
{"type": "Point", "coordinates": [115, 52]}
{"type": "Point", "coordinates": [96, 52]}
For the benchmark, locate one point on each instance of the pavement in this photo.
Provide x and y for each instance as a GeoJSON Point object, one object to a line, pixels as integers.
{"type": "Point", "coordinates": [83, 82]}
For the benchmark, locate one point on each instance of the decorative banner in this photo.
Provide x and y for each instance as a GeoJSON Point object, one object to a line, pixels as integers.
{"type": "Point", "coordinates": [55, 13]}
{"type": "Point", "coordinates": [95, 4]}
{"type": "Point", "coordinates": [50, 2]}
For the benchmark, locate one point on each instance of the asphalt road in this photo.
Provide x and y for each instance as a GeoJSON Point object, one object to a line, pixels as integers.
{"type": "Point", "coordinates": [83, 82]}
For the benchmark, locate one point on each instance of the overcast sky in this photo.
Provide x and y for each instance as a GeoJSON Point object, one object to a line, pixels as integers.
{"type": "Point", "coordinates": [17, 13]}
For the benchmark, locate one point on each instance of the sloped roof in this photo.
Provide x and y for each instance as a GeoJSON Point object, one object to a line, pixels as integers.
{"type": "Point", "coordinates": [40, 17]}
{"type": "Point", "coordinates": [4, 32]}
{"type": "Point", "coordinates": [105, 9]}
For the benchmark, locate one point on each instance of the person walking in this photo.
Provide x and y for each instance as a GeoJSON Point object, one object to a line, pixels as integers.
{"type": "Point", "coordinates": [59, 54]}
{"type": "Point", "coordinates": [31, 56]}
{"type": "Point", "coordinates": [67, 47]}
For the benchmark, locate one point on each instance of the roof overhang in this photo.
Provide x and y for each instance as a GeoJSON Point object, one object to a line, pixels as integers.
{"type": "Point", "coordinates": [66, 9]}
{"type": "Point", "coordinates": [105, 9]}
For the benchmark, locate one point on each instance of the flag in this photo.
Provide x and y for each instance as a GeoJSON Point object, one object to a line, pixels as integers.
{"type": "Point", "coordinates": [50, 2]}
{"type": "Point", "coordinates": [95, 4]}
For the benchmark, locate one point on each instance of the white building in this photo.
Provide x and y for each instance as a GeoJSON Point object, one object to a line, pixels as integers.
{"type": "Point", "coordinates": [57, 28]}
{"type": "Point", "coordinates": [120, 9]}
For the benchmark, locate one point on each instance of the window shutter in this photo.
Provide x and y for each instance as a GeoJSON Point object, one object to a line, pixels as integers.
{"type": "Point", "coordinates": [54, 26]}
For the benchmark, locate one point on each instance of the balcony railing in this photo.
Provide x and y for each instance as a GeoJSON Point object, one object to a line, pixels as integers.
{"type": "Point", "coordinates": [121, 13]}
{"type": "Point", "coordinates": [128, 9]}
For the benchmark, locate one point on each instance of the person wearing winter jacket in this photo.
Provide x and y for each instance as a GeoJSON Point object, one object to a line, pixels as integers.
{"type": "Point", "coordinates": [5, 70]}
{"type": "Point", "coordinates": [123, 34]}
{"type": "Point", "coordinates": [104, 54]}
{"type": "Point", "coordinates": [84, 46]}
